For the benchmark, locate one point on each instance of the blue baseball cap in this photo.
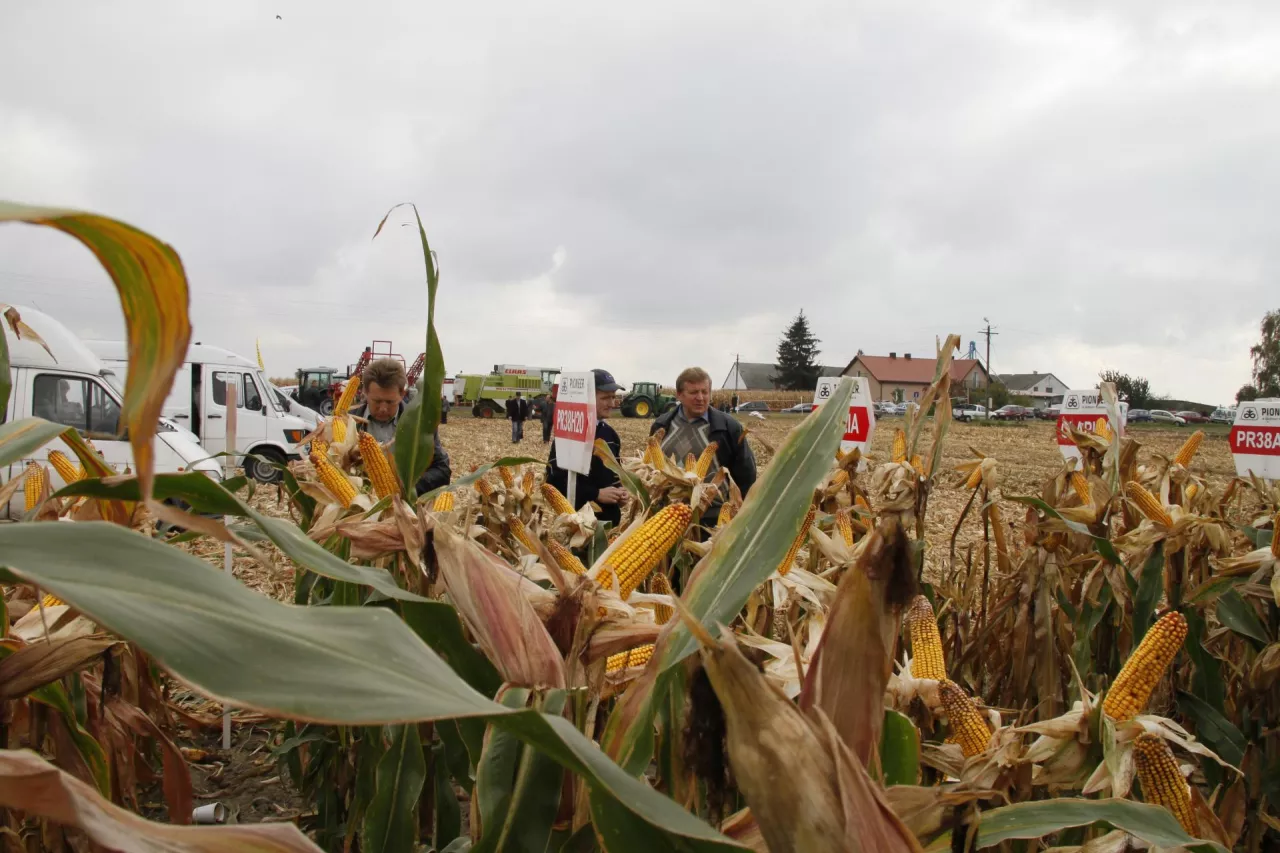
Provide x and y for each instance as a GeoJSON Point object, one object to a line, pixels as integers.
{"type": "Point", "coordinates": [605, 381]}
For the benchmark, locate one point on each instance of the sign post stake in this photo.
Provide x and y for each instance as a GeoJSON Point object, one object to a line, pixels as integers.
{"type": "Point", "coordinates": [228, 469]}
{"type": "Point", "coordinates": [574, 431]}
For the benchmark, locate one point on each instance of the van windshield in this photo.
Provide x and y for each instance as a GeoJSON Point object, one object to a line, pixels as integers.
{"type": "Point", "coordinates": [114, 381]}
{"type": "Point", "coordinates": [274, 393]}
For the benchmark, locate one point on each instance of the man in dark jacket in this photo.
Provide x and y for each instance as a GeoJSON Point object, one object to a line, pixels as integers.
{"type": "Point", "coordinates": [600, 485]}
{"type": "Point", "coordinates": [517, 411]}
{"type": "Point", "coordinates": [694, 424]}
{"type": "Point", "coordinates": [548, 415]}
{"type": "Point", "coordinates": [383, 382]}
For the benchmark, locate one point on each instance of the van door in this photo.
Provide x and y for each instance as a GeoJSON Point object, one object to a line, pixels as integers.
{"type": "Point", "coordinates": [250, 423]}
{"type": "Point", "coordinates": [178, 404]}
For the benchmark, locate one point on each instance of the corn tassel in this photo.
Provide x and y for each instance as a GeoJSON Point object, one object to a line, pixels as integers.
{"type": "Point", "coordinates": [33, 486]}
{"type": "Point", "coordinates": [521, 534]}
{"type": "Point", "coordinates": [63, 466]}
{"type": "Point", "coordinates": [1148, 503]}
{"type": "Point", "coordinates": [661, 585]}
{"type": "Point", "coordinates": [508, 479]}
{"type": "Point", "coordinates": [625, 660]}
{"type": "Point", "coordinates": [1187, 451]}
{"type": "Point", "coordinates": [927, 660]}
{"type": "Point", "coordinates": [443, 502]}
{"type": "Point", "coordinates": [565, 558]}
{"type": "Point", "coordinates": [334, 480]}
{"type": "Point", "coordinates": [703, 465]}
{"type": "Point", "coordinates": [346, 398]}
{"type": "Point", "coordinates": [1161, 779]}
{"type": "Point", "coordinates": [844, 523]}
{"type": "Point", "coordinates": [899, 445]}
{"type": "Point", "coordinates": [376, 465]}
{"type": "Point", "coordinates": [644, 549]}
{"type": "Point", "coordinates": [968, 726]}
{"type": "Point", "coordinates": [1080, 485]}
{"type": "Point", "coordinates": [797, 542]}
{"type": "Point", "coordinates": [1145, 667]}
{"type": "Point", "coordinates": [558, 503]}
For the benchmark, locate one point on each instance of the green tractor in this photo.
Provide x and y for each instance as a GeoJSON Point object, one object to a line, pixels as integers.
{"type": "Point", "coordinates": [646, 400]}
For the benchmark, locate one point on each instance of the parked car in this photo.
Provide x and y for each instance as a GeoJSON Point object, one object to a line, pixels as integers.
{"type": "Point", "coordinates": [1048, 413]}
{"type": "Point", "coordinates": [899, 408]}
{"type": "Point", "coordinates": [753, 406]}
{"type": "Point", "coordinates": [1161, 416]}
{"type": "Point", "coordinates": [798, 409]}
{"type": "Point", "coordinates": [1192, 417]}
{"type": "Point", "coordinates": [1011, 413]}
{"type": "Point", "coordinates": [1223, 415]}
{"type": "Point", "coordinates": [1139, 416]}
{"type": "Point", "coordinates": [968, 412]}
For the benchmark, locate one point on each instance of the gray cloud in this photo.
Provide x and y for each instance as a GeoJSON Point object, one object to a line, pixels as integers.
{"type": "Point", "coordinates": [1097, 179]}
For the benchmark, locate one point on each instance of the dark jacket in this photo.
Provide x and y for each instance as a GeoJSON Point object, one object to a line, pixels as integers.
{"type": "Point", "coordinates": [548, 410]}
{"type": "Point", "coordinates": [439, 474]}
{"type": "Point", "coordinates": [733, 453]}
{"type": "Point", "coordinates": [599, 478]}
{"type": "Point", "coordinates": [517, 409]}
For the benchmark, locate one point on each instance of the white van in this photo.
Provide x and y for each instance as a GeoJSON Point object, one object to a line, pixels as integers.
{"type": "Point", "coordinates": [198, 401]}
{"type": "Point", "coordinates": [73, 388]}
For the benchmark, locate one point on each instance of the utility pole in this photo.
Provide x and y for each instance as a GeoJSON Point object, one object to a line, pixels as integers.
{"type": "Point", "coordinates": [988, 333]}
{"type": "Point", "coordinates": [737, 378]}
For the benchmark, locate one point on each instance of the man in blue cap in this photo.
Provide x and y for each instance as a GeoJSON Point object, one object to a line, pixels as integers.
{"type": "Point", "coordinates": [600, 485]}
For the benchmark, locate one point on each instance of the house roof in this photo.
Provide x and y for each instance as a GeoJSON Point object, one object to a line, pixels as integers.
{"type": "Point", "coordinates": [1024, 381]}
{"type": "Point", "coordinates": [757, 376]}
{"type": "Point", "coordinates": [911, 371]}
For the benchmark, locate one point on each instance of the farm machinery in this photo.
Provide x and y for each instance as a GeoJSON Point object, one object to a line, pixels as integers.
{"type": "Point", "coordinates": [646, 400]}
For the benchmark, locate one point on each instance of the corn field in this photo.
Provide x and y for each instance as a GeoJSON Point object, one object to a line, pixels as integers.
{"type": "Point", "coordinates": [483, 668]}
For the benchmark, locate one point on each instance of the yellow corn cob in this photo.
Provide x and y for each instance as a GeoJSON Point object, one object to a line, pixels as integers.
{"type": "Point", "coordinates": [1148, 503]}
{"type": "Point", "coordinates": [508, 479]}
{"type": "Point", "coordinates": [384, 479]}
{"type": "Point", "coordinates": [968, 726]}
{"type": "Point", "coordinates": [526, 482]}
{"type": "Point", "coordinates": [1191, 490]}
{"type": "Point", "coordinates": [1145, 667]}
{"type": "Point", "coordinates": [726, 514]}
{"type": "Point", "coordinates": [51, 600]}
{"type": "Point", "coordinates": [521, 533]}
{"type": "Point", "coordinates": [660, 585]}
{"type": "Point", "coordinates": [844, 523]}
{"type": "Point", "coordinates": [334, 480]}
{"type": "Point", "coordinates": [797, 542]}
{"type": "Point", "coordinates": [1187, 451]}
{"type": "Point", "coordinates": [1162, 782]}
{"type": "Point", "coordinates": [653, 450]}
{"type": "Point", "coordinates": [690, 461]}
{"type": "Point", "coordinates": [839, 478]}
{"type": "Point", "coordinates": [703, 465]}
{"type": "Point", "coordinates": [975, 478]}
{"type": "Point", "coordinates": [565, 558]}
{"type": "Point", "coordinates": [558, 503]}
{"type": "Point", "coordinates": [484, 488]}
{"type": "Point", "coordinates": [346, 398]}
{"type": "Point", "coordinates": [443, 502]}
{"type": "Point", "coordinates": [918, 464]}
{"type": "Point", "coordinates": [927, 660]}
{"type": "Point", "coordinates": [632, 657]}
{"type": "Point", "coordinates": [1102, 429]}
{"type": "Point", "coordinates": [1275, 536]}
{"type": "Point", "coordinates": [33, 487]}
{"type": "Point", "coordinates": [899, 445]}
{"type": "Point", "coordinates": [319, 446]}
{"type": "Point", "coordinates": [644, 549]}
{"type": "Point", "coordinates": [1080, 485]}
{"type": "Point", "coordinates": [80, 472]}
{"type": "Point", "coordinates": [63, 466]}
{"type": "Point", "coordinates": [861, 503]}
{"type": "Point", "coordinates": [339, 429]}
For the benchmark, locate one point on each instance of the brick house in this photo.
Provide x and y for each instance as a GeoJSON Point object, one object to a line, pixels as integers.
{"type": "Point", "coordinates": [905, 379]}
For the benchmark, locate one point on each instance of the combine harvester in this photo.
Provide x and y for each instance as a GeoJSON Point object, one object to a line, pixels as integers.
{"type": "Point", "coordinates": [487, 394]}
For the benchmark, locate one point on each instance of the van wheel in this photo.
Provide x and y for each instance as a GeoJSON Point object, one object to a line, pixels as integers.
{"type": "Point", "coordinates": [263, 470]}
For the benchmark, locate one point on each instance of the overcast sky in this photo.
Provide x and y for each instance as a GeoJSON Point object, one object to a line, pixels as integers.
{"type": "Point", "coordinates": [648, 186]}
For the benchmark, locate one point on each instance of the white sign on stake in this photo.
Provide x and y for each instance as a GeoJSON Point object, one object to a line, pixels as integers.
{"type": "Point", "coordinates": [1255, 439]}
{"type": "Point", "coordinates": [862, 416]}
{"type": "Point", "coordinates": [574, 428]}
{"type": "Point", "coordinates": [1081, 411]}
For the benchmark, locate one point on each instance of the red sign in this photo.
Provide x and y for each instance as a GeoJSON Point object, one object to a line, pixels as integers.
{"type": "Point", "coordinates": [571, 421]}
{"type": "Point", "coordinates": [858, 426]}
{"type": "Point", "coordinates": [1256, 440]}
{"type": "Point", "coordinates": [1082, 423]}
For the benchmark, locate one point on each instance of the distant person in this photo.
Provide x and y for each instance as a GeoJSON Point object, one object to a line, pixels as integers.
{"type": "Point", "coordinates": [517, 411]}
{"type": "Point", "coordinates": [548, 416]}
{"type": "Point", "coordinates": [384, 382]}
{"type": "Point", "coordinates": [693, 424]}
{"type": "Point", "coordinates": [600, 484]}
{"type": "Point", "coordinates": [444, 409]}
